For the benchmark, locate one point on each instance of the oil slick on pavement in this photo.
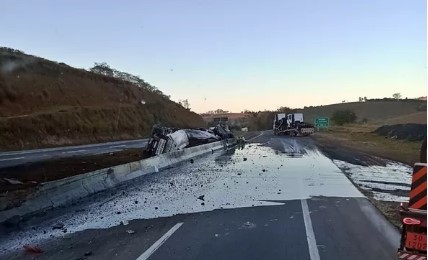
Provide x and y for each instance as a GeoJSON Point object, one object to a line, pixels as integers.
{"type": "Point", "coordinates": [265, 177]}
{"type": "Point", "coordinates": [254, 176]}
{"type": "Point", "coordinates": [388, 183]}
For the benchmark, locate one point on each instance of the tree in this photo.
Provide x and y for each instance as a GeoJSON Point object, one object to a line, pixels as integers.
{"type": "Point", "coordinates": [284, 109]}
{"type": "Point", "coordinates": [365, 99]}
{"type": "Point", "coordinates": [396, 96]}
{"type": "Point", "coordinates": [220, 111]}
{"type": "Point", "coordinates": [103, 69]}
{"type": "Point", "coordinates": [360, 99]}
{"type": "Point", "coordinates": [345, 116]}
{"type": "Point", "coordinates": [184, 103]}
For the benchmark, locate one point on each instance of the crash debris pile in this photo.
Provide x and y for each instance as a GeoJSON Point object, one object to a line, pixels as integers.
{"type": "Point", "coordinates": [165, 139]}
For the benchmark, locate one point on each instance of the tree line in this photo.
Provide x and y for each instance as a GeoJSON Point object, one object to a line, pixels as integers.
{"type": "Point", "coordinates": [104, 69]}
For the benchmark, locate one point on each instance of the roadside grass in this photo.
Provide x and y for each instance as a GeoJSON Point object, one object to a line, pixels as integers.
{"type": "Point", "coordinates": [45, 104]}
{"type": "Point", "coordinates": [362, 138]}
{"type": "Point", "coordinates": [405, 111]}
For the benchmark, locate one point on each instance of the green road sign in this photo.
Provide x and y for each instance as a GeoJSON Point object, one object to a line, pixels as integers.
{"type": "Point", "coordinates": [322, 122]}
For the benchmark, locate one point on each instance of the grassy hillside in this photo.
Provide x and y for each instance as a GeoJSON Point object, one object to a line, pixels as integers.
{"type": "Point", "coordinates": [44, 103]}
{"type": "Point", "coordinates": [373, 111]}
{"type": "Point", "coordinates": [417, 118]}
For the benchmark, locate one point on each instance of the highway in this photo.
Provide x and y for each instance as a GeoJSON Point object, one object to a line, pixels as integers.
{"type": "Point", "coordinates": [277, 198]}
{"type": "Point", "coordinates": [13, 158]}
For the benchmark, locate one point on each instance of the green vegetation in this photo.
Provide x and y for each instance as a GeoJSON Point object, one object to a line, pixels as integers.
{"type": "Point", "coordinates": [341, 117]}
{"type": "Point", "coordinates": [374, 110]}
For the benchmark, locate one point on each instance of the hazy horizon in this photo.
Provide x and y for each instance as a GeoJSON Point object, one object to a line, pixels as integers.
{"type": "Point", "coordinates": [236, 55]}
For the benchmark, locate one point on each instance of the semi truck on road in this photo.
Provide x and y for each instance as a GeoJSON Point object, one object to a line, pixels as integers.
{"type": "Point", "coordinates": [291, 124]}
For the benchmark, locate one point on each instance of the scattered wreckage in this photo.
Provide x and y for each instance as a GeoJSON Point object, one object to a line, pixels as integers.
{"type": "Point", "coordinates": [165, 139]}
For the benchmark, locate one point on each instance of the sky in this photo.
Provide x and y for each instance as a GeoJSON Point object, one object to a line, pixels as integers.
{"type": "Point", "coordinates": [236, 55]}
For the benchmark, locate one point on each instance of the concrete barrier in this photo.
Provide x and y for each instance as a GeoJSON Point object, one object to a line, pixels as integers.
{"type": "Point", "coordinates": [60, 192]}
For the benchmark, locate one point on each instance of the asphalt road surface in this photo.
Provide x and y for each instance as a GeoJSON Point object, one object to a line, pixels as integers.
{"type": "Point", "coordinates": [277, 198]}
{"type": "Point", "coordinates": [14, 158]}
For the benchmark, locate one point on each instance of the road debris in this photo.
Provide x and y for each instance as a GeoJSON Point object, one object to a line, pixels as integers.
{"type": "Point", "coordinates": [248, 225]}
{"type": "Point", "coordinates": [58, 225]}
{"type": "Point", "coordinates": [130, 231]}
{"type": "Point", "coordinates": [88, 253]}
{"type": "Point", "coordinates": [202, 197]}
{"type": "Point", "coordinates": [33, 249]}
{"type": "Point", "coordinates": [13, 181]}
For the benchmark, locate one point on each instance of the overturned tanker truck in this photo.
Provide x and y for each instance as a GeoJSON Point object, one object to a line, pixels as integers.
{"type": "Point", "coordinates": [165, 139]}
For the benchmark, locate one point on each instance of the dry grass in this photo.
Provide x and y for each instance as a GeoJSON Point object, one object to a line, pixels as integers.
{"type": "Point", "coordinates": [361, 138]}
{"type": "Point", "coordinates": [43, 103]}
{"type": "Point", "coordinates": [373, 111]}
{"type": "Point", "coordinates": [417, 118]}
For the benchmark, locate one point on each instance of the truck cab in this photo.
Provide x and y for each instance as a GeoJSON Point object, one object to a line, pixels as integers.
{"type": "Point", "coordinates": [294, 119]}
{"type": "Point", "coordinates": [291, 124]}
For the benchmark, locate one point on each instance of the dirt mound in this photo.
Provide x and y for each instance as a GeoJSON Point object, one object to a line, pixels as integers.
{"type": "Point", "coordinates": [411, 132]}
{"type": "Point", "coordinates": [45, 103]}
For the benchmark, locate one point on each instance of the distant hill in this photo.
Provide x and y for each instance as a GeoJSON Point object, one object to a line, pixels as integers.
{"type": "Point", "coordinates": [45, 103]}
{"type": "Point", "coordinates": [409, 111]}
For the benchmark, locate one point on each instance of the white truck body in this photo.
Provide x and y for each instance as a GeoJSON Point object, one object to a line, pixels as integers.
{"type": "Point", "coordinates": [298, 117]}
{"type": "Point", "coordinates": [291, 124]}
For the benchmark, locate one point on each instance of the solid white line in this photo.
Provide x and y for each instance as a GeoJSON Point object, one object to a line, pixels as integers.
{"type": "Point", "coordinates": [78, 151]}
{"type": "Point", "coordinates": [58, 149]}
{"type": "Point", "coordinates": [255, 136]}
{"type": "Point", "coordinates": [158, 243]}
{"type": "Point", "coordinates": [11, 159]}
{"type": "Point", "coordinates": [312, 243]}
{"type": "Point", "coordinates": [116, 146]}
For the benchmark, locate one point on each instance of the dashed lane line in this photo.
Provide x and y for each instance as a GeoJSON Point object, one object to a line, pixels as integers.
{"type": "Point", "coordinates": [159, 243]}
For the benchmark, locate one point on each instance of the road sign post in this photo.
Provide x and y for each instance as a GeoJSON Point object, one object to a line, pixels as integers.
{"type": "Point", "coordinates": [322, 122]}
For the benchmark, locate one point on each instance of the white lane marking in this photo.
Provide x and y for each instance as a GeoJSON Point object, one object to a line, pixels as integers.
{"type": "Point", "coordinates": [256, 136]}
{"type": "Point", "coordinates": [158, 243]}
{"type": "Point", "coordinates": [58, 149]}
{"type": "Point", "coordinates": [78, 151]}
{"type": "Point", "coordinates": [312, 243]}
{"type": "Point", "coordinates": [11, 159]}
{"type": "Point", "coordinates": [412, 257]}
{"type": "Point", "coordinates": [116, 146]}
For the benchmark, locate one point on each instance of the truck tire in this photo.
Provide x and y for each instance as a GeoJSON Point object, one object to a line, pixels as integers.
{"type": "Point", "coordinates": [423, 158]}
